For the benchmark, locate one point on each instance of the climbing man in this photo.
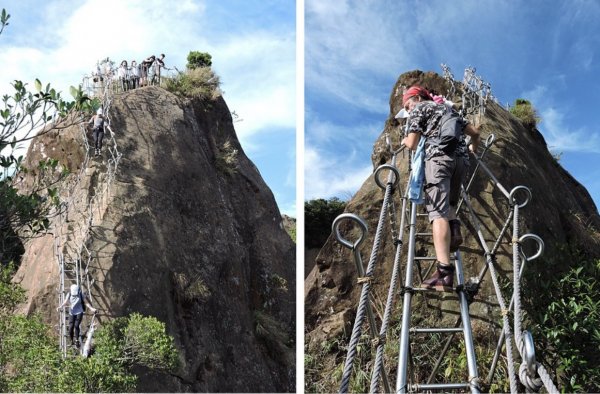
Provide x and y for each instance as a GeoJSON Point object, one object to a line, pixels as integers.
{"type": "Point", "coordinates": [77, 306]}
{"type": "Point", "coordinates": [145, 69]}
{"type": "Point", "coordinates": [97, 125]}
{"type": "Point", "coordinates": [446, 165]}
{"type": "Point", "coordinates": [158, 64]}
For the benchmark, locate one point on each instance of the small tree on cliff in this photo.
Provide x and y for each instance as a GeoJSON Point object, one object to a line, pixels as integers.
{"type": "Point", "coordinates": [198, 59]}
{"type": "Point", "coordinates": [24, 115]}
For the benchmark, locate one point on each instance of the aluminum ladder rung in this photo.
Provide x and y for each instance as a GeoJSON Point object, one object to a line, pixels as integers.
{"type": "Point", "coordinates": [426, 258]}
{"type": "Point", "coordinates": [440, 386]}
{"type": "Point", "coordinates": [433, 330]}
{"type": "Point", "coordinates": [424, 234]}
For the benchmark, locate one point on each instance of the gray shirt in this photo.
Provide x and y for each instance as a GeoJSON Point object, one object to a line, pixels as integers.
{"type": "Point", "coordinates": [75, 303]}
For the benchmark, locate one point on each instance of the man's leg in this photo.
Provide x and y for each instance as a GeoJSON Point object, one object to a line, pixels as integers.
{"type": "Point", "coordinates": [78, 319]}
{"type": "Point", "coordinates": [437, 175]}
{"type": "Point", "coordinates": [100, 138]}
{"type": "Point", "coordinates": [441, 240]}
{"type": "Point", "coordinates": [71, 327]}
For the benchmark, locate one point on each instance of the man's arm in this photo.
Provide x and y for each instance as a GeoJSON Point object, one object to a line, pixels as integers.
{"type": "Point", "coordinates": [411, 140]}
{"type": "Point", "coordinates": [87, 303]}
{"type": "Point", "coordinates": [64, 303]}
{"type": "Point", "coordinates": [472, 132]}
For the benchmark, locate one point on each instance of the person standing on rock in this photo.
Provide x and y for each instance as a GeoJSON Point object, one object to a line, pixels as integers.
{"type": "Point", "coordinates": [145, 68]}
{"type": "Point", "coordinates": [77, 306]}
{"type": "Point", "coordinates": [158, 64]}
{"type": "Point", "coordinates": [445, 168]}
{"type": "Point", "coordinates": [97, 124]}
{"type": "Point", "coordinates": [123, 75]}
{"type": "Point", "coordinates": [134, 75]}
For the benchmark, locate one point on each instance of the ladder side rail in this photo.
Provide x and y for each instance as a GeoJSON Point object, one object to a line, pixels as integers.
{"type": "Point", "coordinates": [401, 381]}
{"type": "Point", "coordinates": [466, 326]}
{"type": "Point", "coordinates": [490, 264]}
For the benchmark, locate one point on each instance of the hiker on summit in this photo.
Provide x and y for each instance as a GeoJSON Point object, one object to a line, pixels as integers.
{"type": "Point", "coordinates": [158, 64]}
{"type": "Point", "coordinates": [97, 124]}
{"type": "Point", "coordinates": [123, 74]}
{"type": "Point", "coordinates": [144, 68]}
{"type": "Point", "coordinates": [446, 164]}
{"type": "Point", "coordinates": [77, 306]}
{"type": "Point", "coordinates": [134, 75]}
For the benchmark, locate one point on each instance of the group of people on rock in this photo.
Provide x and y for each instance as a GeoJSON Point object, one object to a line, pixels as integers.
{"type": "Point", "coordinates": [132, 75]}
{"type": "Point", "coordinates": [146, 73]}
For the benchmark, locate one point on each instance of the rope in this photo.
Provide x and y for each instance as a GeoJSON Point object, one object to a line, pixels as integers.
{"type": "Point", "coordinates": [378, 366]}
{"type": "Point", "coordinates": [364, 295]}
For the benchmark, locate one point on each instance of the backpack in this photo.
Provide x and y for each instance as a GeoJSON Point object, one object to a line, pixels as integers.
{"type": "Point", "coordinates": [81, 300]}
{"type": "Point", "coordinates": [99, 122]}
{"type": "Point", "coordinates": [451, 128]}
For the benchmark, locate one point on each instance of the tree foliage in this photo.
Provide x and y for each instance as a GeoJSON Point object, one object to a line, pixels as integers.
{"type": "Point", "coordinates": [198, 59]}
{"type": "Point", "coordinates": [137, 340]}
{"type": "Point", "coordinates": [566, 322]}
{"type": "Point", "coordinates": [30, 360]}
{"type": "Point", "coordinates": [318, 217]}
{"type": "Point", "coordinates": [24, 115]}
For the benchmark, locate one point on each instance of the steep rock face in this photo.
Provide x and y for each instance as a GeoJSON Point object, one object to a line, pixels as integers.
{"type": "Point", "coordinates": [561, 212]}
{"type": "Point", "coordinates": [190, 234]}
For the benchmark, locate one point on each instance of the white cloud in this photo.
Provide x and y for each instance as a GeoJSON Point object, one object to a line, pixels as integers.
{"type": "Point", "coordinates": [323, 132]}
{"type": "Point", "coordinates": [326, 177]}
{"type": "Point", "coordinates": [257, 68]}
{"type": "Point", "coordinates": [560, 137]}
{"type": "Point", "coordinates": [258, 75]}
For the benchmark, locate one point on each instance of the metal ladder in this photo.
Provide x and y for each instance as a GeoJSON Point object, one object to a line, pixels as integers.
{"type": "Point", "coordinates": [71, 236]}
{"type": "Point", "coordinates": [402, 384]}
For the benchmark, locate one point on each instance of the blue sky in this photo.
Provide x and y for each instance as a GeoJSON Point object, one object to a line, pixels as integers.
{"type": "Point", "coordinates": [252, 43]}
{"type": "Point", "coordinates": [544, 51]}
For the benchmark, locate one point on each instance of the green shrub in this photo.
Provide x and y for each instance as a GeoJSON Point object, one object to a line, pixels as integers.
{"type": "Point", "coordinates": [566, 325]}
{"type": "Point", "coordinates": [137, 340]}
{"type": "Point", "coordinates": [525, 112]}
{"type": "Point", "coordinates": [198, 59]}
{"type": "Point", "coordinates": [319, 214]}
{"type": "Point", "coordinates": [226, 158]}
{"type": "Point", "coordinates": [191, 290]}
{"type": "Point", "coordinates": [199, 82]}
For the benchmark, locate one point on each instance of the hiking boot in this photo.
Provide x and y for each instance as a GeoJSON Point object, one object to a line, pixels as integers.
{"type": "Point", "coordinates": [442, 279]}
{"type": "Point", "coordinates": [77, 344]}
{"type": "Point", "coordinates": [456, 238]}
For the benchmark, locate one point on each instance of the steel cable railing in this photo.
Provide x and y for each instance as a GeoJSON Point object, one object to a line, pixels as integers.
{"type": "Point", "coordinates": [528, 369]}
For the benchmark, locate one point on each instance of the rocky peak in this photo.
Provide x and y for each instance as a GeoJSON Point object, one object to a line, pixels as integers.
{"type": "Point", "coordinates": [187, 232]}
{"type": "Point", "coordinates": [561, 212]}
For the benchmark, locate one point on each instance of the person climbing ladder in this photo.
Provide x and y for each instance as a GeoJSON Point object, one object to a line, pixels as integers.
{"type": "Point", "coordinates": [446, 163]}
{"type": "Point", "coordinates": [77, 306]}
{"type": "Point", "coordinates": [97, 124]}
